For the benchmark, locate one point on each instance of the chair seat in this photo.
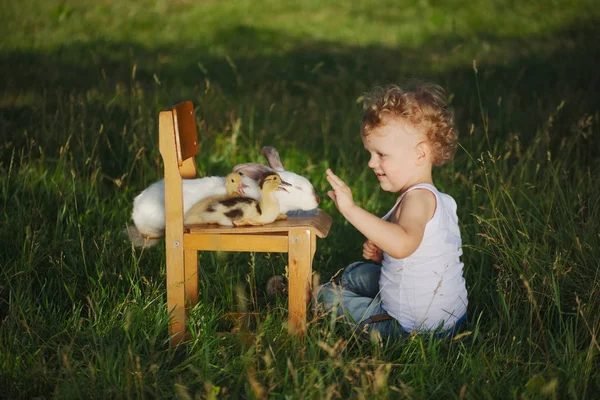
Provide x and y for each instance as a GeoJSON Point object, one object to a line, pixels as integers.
{"type": "Point", "coordinates": [320, 223]}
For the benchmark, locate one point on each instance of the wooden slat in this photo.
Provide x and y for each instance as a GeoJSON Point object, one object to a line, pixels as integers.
{"type": "Point", "coordinates": [185, 124]}
{"type": "Point", "coordinates": [188, 169]}
{"type": "Point", "coordinates": [177, 138]}
{"type": "Point", "coordinates": [300, 275]}
{"type": "Point", "coordinates": [190, 271]}
{"type": "Point", "coordinates": [236, 242]}
{"type": "Point", "coordinates": [320, 223]}
{"type": "Point", "coordinates": [313, 245]}
{"type": "Point", "coordinates": [173, 228]}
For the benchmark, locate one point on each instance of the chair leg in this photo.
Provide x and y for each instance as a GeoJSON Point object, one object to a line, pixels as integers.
{"type": "Point", "coordinates": [300, 273]}
{"type": "Point", "coordinates": [175, 292]}
{"type": "Point", "coordinates": [191, 277]}
{"type": "Point", "coordinates": [313, 279]}
{"type": "Point", "coordinates": [313, 246]}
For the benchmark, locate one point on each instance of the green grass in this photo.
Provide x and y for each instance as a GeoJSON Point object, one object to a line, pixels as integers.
{"type": "Point", "coordinates": [81, 84]}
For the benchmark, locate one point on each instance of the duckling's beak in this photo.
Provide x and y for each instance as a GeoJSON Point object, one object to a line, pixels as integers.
{"type": "Point", "coordinates": [241, 188]}
{"type": "Point", "coordinates": [283, 184]}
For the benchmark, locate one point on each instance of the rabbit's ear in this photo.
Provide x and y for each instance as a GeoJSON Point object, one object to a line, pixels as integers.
{"type": "Point", "coordinates": [252, 170]}
{"type": "Point", "coordinates": [272, 157]}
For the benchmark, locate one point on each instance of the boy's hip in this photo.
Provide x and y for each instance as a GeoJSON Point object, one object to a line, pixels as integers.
{"type": "Point", "coordinates": [427, 318]}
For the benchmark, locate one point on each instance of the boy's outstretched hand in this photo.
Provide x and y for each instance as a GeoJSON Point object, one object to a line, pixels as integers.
{"type": "Point", "coordinates": [372, 252]}
{"type": "Point", "coordinates": [341, 193]}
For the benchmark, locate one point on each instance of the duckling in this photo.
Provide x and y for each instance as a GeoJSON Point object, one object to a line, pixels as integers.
{"type": "Point", "coordinates": [267, 209]}
{"type": "Point", "coordinates": [234, 187]}
{"type": "Point", "coordinates": [238, 211]}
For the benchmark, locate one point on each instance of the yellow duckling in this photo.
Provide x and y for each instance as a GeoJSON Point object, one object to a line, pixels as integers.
{"type": "Point", "coordinates": [236, 211]}
{"type": "Point", "coordinates": [234, 187]}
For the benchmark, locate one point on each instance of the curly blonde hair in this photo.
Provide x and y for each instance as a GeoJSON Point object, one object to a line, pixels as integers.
{"type": "Point", "coordinates": [423, 105]}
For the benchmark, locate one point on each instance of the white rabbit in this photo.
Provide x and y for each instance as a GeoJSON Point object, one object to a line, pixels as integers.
{"type": "Point", "coordinates": [149, 206]}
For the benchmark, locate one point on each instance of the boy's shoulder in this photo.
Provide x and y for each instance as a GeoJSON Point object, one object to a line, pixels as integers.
{"type": "Point", "coordinates": [421, 194]}
{"type": "Point", "coordinates": [419, 200]}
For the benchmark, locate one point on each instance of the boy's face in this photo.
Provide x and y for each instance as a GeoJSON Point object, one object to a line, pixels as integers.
{"type": "Point", "coordinates": [395, 154]}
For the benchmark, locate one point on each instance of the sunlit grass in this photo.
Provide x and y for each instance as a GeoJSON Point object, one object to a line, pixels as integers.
{"type": "Point", "coordinates": [84, 315]}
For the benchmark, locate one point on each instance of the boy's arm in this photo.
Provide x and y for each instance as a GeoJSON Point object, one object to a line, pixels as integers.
{"type": "Point", "coordinates": [399, 239]}
{"type": "Point", "coordinates": [402, 238]}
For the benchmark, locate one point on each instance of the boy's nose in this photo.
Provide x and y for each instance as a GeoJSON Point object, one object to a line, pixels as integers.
{"type": "Point", "coordinates": [372, 164]}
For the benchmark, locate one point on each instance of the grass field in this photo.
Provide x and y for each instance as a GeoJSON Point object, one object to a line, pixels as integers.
{"type": "Point", "coordinates": [83, 314]}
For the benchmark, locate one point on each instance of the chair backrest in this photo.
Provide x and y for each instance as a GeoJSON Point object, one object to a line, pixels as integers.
{"type": "Point", "coordinates": [178, 144]}
{"type": "Point", "coordinates": [184, 138]}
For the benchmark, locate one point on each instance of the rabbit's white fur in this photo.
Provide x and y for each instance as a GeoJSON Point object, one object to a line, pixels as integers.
{"type": "Point", "coordinates": [149, 206]}
{"type": "Point", "coordinates": [301, 196]}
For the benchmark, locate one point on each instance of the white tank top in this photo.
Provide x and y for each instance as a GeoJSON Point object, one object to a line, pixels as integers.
{"type": "Point", "coordinates": [427, 288]}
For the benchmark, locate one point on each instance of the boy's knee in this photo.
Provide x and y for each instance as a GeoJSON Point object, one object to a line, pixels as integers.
{"type": "Point", "coordinates": [328, 294]}
{"type": "Point", "coordinates": [352, 267]}
{"type": "Point", "coordinates": [362, 278]}
{"type": "Point", "coordinates": [349, 272]}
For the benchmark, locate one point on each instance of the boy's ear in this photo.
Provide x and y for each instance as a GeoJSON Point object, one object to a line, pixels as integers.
{"type": "Point", "coordinates": [423, 151]}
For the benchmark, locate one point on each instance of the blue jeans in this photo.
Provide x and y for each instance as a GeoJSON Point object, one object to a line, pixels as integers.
{"type": "Point", "coordinates": [355, 295]}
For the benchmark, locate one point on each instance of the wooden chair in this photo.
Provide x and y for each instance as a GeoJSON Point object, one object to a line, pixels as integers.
{"type": "Point", "coordinates": [178, 142]}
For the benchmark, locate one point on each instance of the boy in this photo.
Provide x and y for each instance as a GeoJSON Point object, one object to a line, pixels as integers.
{"type": "Point", "coordinates": [419, 285]}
